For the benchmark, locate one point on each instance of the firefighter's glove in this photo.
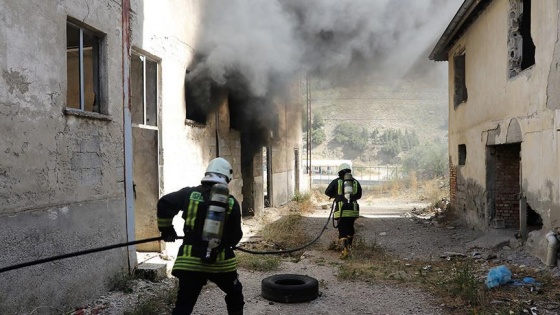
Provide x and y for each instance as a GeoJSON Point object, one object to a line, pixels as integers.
{"type": "Point", "coordinates": [168, 234]}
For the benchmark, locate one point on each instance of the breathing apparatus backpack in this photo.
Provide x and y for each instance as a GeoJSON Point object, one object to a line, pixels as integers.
{"type": "Point", "coordinates": [215, 219]}
{"type": "Point", "coordinates": [348, 186]}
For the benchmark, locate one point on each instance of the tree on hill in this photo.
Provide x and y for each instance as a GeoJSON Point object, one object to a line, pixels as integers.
{"type": "Point", "coordinates": [351, 134]}
{"type": "Point", "coordinates": [395, 141]}
{"type": "Point", "coordinates": [318, 134]}
{"type": "Point", "coordinates": [428, 160]}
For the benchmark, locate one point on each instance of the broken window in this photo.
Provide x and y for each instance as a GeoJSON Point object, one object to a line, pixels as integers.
{"type": "Point", "coordinates": [521, 47]}
{"type": "Point", "coordinates": [462, 154]}
{"type": "Point", "coordinates": [198, 91]}
{"type": "Point", "coordinates": [460, 85]}
{"type": "Point", "coordinates": [143, 90]}
{"type": "Point", "coordinates": [83, 68]}
{"type": "Point", "coordinates": [235, 103]}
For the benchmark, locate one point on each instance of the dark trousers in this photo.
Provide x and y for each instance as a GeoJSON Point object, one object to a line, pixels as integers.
{"type": "Point", "coordinates": [191, 283]}
{"type": "Point", "coordinates": [346, 228]}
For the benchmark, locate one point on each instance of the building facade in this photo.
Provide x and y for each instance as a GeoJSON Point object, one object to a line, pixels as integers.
{"type": "Point", "coordinates": [96, 125]}
{"type": "Point", "coordinates": [504, 117]}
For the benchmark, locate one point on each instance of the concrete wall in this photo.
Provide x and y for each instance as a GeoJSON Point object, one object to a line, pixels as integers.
{"type": "Point", "coordinates": [502, 110]}
{"type": "Point", "coordinates": [288, 139]}
{"type": "Point", "coordinates": [61, 174]}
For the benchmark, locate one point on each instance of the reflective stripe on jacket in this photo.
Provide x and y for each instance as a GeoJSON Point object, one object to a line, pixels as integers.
{"type": "Point", "coordinates": [190, 256]}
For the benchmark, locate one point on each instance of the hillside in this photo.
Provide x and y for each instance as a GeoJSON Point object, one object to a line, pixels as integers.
{"type": "Point", "coordinates": [414, 105]}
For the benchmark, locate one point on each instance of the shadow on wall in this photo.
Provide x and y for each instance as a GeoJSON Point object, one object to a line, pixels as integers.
{"type": "Point", "coordinates": [471, 202]}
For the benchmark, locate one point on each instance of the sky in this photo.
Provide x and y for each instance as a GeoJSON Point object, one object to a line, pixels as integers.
{"type": "Point", "coordinates": [258, 45]}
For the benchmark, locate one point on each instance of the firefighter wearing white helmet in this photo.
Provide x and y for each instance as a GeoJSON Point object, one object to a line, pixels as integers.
{"type": "Point", "coordinates": [212, 230]}
{"type": "Point", "coordinates": [346, 191]}
{"type": "Point", "coordinates": [218, 171]}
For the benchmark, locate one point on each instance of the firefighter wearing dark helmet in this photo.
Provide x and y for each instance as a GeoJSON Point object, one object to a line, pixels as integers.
{"type": "Point", "coordinates": [346, 191]}
{"type": "Point", "coordinates": [212, 229]}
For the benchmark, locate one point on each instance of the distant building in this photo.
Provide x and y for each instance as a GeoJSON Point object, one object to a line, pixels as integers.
{"type": "Point", "coordinates": [325, 167]}
{"type": "Point", "coordinates": [504, 116]}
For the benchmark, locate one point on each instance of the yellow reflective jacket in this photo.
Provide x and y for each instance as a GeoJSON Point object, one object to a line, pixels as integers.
{"type": "Point", "coordinates": [194, 202]}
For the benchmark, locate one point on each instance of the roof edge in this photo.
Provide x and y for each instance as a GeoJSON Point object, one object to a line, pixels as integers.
{"type": "Point", "coordinates": [464, 16]}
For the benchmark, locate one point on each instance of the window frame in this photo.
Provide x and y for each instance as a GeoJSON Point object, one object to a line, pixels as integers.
{"type": "Point", "coordinates": [144, 59]}
{"type": "Point", "coordinates": [521, 46]}
{"type": "Point", "coordinates": [460, 79]}
{"type": "Point", "coordinates": [99, 88]}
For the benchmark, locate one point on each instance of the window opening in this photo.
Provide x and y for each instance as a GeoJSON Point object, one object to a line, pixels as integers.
{"type": "Point", "coordinates": [235, 104]}
{"type": "Point", "coordinates": [520, 43]}
{"type": "Point", "coordinates": [460, 86]}
{"type": "Point", "coordinates": [83, 67]}
{"type": "Point", "coordinates": [462, 154]}
{"type": "Point", "coordinates": [144, 90]}
{"type": "Point", "coordinates": [534, 220]}
{"type": "Point", "coordinates": [528, 54]}
{"type": "Point", "coordinates": [197, 97]}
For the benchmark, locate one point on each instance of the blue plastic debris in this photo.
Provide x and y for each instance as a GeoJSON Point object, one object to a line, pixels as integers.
{"type": "Point", "coordinates": [498, 276]}
{"type": "Point", "coordinates": [530, 280]}
{"type": "Point", "coordinates": [526, 281]}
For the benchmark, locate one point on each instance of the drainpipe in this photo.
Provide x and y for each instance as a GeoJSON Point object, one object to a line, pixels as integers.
{"type": "Point", "coordinates": [552, 253]}
{"type": "Point", "coordinates": [127, 126]}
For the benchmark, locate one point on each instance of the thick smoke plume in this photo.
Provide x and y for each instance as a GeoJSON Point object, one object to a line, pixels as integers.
{"type": "Point", "coordinates": [258, 44]}
{"type": "Point", "coordinates": [255, 48]}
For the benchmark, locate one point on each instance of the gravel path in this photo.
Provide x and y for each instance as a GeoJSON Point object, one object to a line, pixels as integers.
{"type": "Point", "coordinates": [390, 223]}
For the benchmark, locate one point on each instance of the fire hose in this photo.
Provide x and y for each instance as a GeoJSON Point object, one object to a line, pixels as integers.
{"type": "Point", "coordinates": [79, 253]}
{"type": "Point", "coordinates": [153, 239]}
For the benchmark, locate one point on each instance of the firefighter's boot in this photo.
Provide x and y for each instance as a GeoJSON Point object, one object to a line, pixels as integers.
{"type": "Point", "coordinates": [344, 244]}
{"type": "Point", "coordinates": [350, 238]}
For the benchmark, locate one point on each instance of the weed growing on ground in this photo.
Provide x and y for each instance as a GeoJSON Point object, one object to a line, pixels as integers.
{"type": "Point", "coordinates": [286, 232]}
{"type": "Point", "coordinates": [461, 287]}
{"type": "Point", "coordinates": [122, 282]}
{"type": "Point", "coordinates": [150, 303]}
{"type": "Point", "coordinates": [301, 197]}
{"type": "Point", "coordinates": [258, 262]}
{"type": "Point", "coordinates": [303, 203]}
{"type": "Point", "coordinates": [461, 283]}
{"type": "Point", "coordinates": [368, 261]}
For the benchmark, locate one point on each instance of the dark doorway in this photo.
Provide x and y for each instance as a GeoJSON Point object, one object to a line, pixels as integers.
{"type": "Point", "coordinates": [268, 176]}
{"type": "Point", "coordinates": [503, 183]}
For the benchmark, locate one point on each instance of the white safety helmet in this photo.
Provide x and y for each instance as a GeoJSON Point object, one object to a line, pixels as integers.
{"type": "Point", "coordinates": [344, 166]}
{"type": "Point", "coordinates": [218, 171]}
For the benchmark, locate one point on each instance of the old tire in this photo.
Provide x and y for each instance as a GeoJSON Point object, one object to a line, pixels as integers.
{"type": "Point", "coordinates": [289, 288]}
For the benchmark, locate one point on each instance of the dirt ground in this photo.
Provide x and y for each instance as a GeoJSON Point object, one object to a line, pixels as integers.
{"type": "Point", "coordinates": [395, 224]}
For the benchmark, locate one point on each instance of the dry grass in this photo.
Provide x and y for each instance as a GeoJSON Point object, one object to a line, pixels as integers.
{"type": "Point", "coordinates": [303, 203]}
{"type": "Point", "coordinates": [410, 188]}
{"type": "Point", "coordinates": [283, 234]}
{"type": "Point", "coordinates": [458, 283]}
{"type": "Point", "coordinates": [155, 302]}
{"type": "Point", "coordinates": [258, 262]}
{"type": "Point", "coordinates": [286, 232]}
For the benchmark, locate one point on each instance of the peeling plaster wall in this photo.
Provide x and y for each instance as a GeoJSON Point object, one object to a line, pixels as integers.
{"type": "Point", "coordinates": [501, 110]}
{"type": "Point", "coordinates": [168, 32]}
{"type": "Point", "coordinates": [61, 176]}
{"type": "Point", "coordinates": [290, 138]}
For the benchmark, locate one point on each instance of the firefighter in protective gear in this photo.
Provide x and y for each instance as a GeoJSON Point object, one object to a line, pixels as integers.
{"type": "Point", "coordinates": [197, 260]}
{"type": "Point", "coordinates": [347, 209]}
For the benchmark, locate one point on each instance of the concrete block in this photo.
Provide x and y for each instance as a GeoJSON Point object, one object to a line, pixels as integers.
{"type": "Point", "coordinates": [499, 224]}
{"type": "Point", "coordinates": [152, 272]}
